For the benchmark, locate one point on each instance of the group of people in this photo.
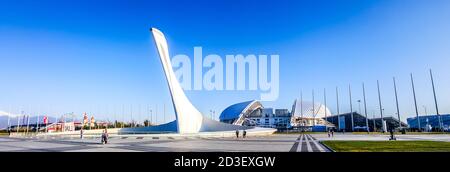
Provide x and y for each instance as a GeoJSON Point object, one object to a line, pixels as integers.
{"type": "Point", "coordinates": [330, 133]}
{"type": "Point", "coordinates": [244, 134]}
{"type": "Point", "coordinates": [104, 137]}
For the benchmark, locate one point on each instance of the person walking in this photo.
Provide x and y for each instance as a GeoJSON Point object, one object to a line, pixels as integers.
{"type": "Point", "coordinates": [391, 131]}
{"type": "Point", "coordinates": [81, 133]}
{"type": "Point", "coordinates": [332, 132]}
{"type": "Point", "coordinates": [237, 133]}
{"type": "Point", "coordinates": [244, 134]}
{"type": "Point", "coordinates": [105, 137]}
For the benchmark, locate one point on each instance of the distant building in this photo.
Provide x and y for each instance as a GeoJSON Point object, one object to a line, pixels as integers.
{"type": "Point", "coordinates": [238, 113]}
{"type": "Point", "coordinates": [309, 117]}
{"type": "Point", "coordinates": [430, 122]}
{"type": "Point", "coordinates": [280, 119]}
{"type": "Point", "coordinates": [252, 113]}
{"type": "Point", "coordinates": [343, 122]}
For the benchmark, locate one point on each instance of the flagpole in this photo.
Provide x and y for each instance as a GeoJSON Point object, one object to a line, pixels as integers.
{"type": "Point", "coordinates": [148, 113]}
{"type": "Point", "coordinates": [37, 120]}
{"type": "Point", "coordinates": [115, 116]}
{"type": "Point", "coordinates": [28, 123]}
{"type": "Point", "coordinates": [131, 112]}
{"type": "Point", "coordinates": [123, 115]}
{"type": "Point", "coordinates": [9, 114]}
{"type": "Point", "coordinates": [18, 123]}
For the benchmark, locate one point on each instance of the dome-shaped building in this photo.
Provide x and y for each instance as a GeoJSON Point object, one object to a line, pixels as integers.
{"type": "Point", "coordinates": [238, 113]}
{"type": "Point", "coordinates": [307, 110]}
{"type": "Point", "coordinates": [305, 113]}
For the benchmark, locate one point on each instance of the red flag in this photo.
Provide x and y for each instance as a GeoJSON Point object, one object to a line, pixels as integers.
{"type": "Point", "coordinates": [45, 120]}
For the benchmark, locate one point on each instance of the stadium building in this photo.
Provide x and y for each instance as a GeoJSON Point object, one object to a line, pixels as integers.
{"type": "Point", "coordinates": [302, 117]}
{"type": "Point", "coordinates": [308, 116]}
{"type": "Point", "coordinates": [429, 122]}
{"type": "Point", "coordinates": [253, 113]}
{"type": "Point", "coordinates": [343, 122]}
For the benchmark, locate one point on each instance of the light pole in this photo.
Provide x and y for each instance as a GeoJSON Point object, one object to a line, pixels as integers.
{"type": "Point", "coordinates": [18, 122]}
{"type": "Point", "coordinates": [37, 122]}
{"type": "Point", "coordinates": [382, 120]}
{"type": "Point", "coordinates": [365, 108]}
{"type": "Point", "coordinates": [381, 107]}
{"type": "Point", "coordinates": [374, 124]}
{"type": "Point", "coordinates": [415, 103]}
{"type": "Point", "coordinates": [337, 107]}
{"type": "Point", "coordinates": [131, 115]}
{"type": "Point", "coordinates": [9, 118]}
{"type": "Point", "coordinates": [396, 102]}
{"type": "Point", "coordinates": [359, 106]}
{"type": "Point", "coordinates": [301, 104]}
{"type": "Point", "coordinates": [337, 101]}
{"type": "Point", "coordinates": [425, 109]}
{"type": "Point", "coordinates": [156, 114]}
{"type": "Point", "coordinates": [164, 111]}
{"type": "Point", "coordinates": [435, 103]}
{"type": "Point", "coordinates": [115, 116]}
{"type": "Point", "coordinates": [28, 123]}
{"type": "Point", "coordinates": [123, 115]}
{"type": "Point", "coordinates": [313, 109]}
{"type": "Point", "coordinates": [351, 107]}
{"type": "Point", "coordinates": [139, 115]}
{"type": "Point", "coordinates": [325, 102]}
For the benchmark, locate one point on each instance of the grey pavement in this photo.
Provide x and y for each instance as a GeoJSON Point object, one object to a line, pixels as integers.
{"type": "Point", "coordinates": [308, 143]}
{"type": "Point", "coordinates": [273, 143]}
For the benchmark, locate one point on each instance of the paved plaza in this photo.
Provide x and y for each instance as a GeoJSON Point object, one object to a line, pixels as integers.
{"type": "Point", "coordinates": [273, 143]}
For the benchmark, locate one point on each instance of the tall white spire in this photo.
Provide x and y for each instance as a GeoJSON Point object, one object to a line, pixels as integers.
{"type": "Point", "coordinates": [189, 119]}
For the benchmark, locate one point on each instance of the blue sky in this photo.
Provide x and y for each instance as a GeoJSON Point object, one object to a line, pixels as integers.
{"type": "Point", "coordinates": [98, 56]}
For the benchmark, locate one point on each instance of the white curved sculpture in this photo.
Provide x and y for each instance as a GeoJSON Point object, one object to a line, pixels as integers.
{"type": "Point", "coordinates": [305, 109]}
{"type": "Point", "coordinates": [189, 119]}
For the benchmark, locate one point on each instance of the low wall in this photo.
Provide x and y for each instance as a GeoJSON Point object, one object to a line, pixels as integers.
{"type": "Point", "coordinates": [116, 132]}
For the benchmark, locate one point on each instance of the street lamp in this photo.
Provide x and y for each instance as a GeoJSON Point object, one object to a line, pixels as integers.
{"type": "Point", "coordinates": [381, 107]}
{"type": "Point", "coordinates": [359, 105]}
{"type": "Point", "coordinates": [425, 109]}
{"type": "Point", "coordinates": [435, 103]}
{"type": "Point", "coordinates": [151, 116]}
